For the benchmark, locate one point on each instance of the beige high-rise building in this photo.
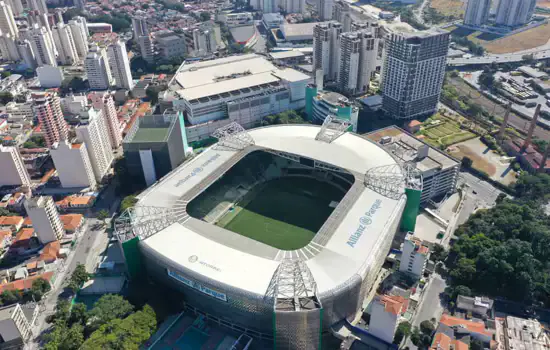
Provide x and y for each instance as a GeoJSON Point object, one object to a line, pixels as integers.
{"type": "Point", "coordinates": [73, 165]}
{"type": "Point", "coordinates": [47, 107]}
{"type": "Point", "coordinates": [98, 70]}
{"type": "Point", "coordinates": [45, 218]}
{"type": "Point", "coordinates": [514, 13]}
{"type": "Point", "coordinates": [477, 12]}
{"type": "Point", "coordinates": [80, 35]}
{"type": "Point", "coordinates": [16, 7]}
{"type": "Point", "coordinates": [38, 5]}
{"type": "Point", "coordinates": [43, 47]}
{"type": "Point", "coordinates": [66, 47]}
{"type": "Point", "coordinates": [7, 21]}
{"type": "Point", "coordinates": [95, 135]}
{"type": "Point", "coordinates": [120, 65]}
{"type": "Point", "coordinates": [104, 101]}
{"type": "Point", "coordinates": [8, 48]}
{"type": "Point", "coordinates": [358, 51]}
{"type": "Point", "coordinates": [12, 168]}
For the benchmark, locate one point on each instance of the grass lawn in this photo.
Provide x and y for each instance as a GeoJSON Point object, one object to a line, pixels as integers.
{"type": "Point", "coordinates": [528, 39]}
{"type": "Point", "coordinates": [448, 7]}
{"type": "Point", "coordinates": [285, 213]}
{"type": "Point", "coordinates": [445, 134]}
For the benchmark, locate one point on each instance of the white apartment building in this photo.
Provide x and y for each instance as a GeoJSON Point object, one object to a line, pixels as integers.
{"type": "Point", "coordinates": [325, 9]}
{"type": "Point", "coordinates": [146, 48]}
{"type": "Point", "coordinates": [170, 45]}
{"type": "Point", "coordinates": [43, 47]}
{"type": "Point", "coordinates": [38, 5]}
{"type": "Point", "coordinates": [97, 69]}
{"type": "Point", "coordinates": [16, 7]}
{"type": "Point", "coordinates": [477, 12]}
{"type": "Point", "coordinates": [65, 44]}
{"type": "Point", "coordinates": [27, 55]}
{"type": "Point", "coordinates": [7, 22]}
{"type": "Point", "coordinates": [293, 6]}
{"type": "Point", "coordinates": [47, 107]}
{"type": "Point", "coordinates": [80, 35]}
{"type": "Point", "coordinates": [45, 218]}
{"type": "Point", "coordinates": [120, 65]}
{"type": "Point", "coordinates": [15, 328]}
{"type": "Point", "coordinates": [413, 72]}
{"type": "Point", "coordinates": [513, 13]}
{"type": "Point", "coordinates": [104, 101]}
{"type": "Point", "coordinates": [358, 51]}
{"type": "Point", "coordinates": [8, 48]}
{"type": "Point", "coordinates": [139, 26]}
{"type": "Point", "coordinates": [414, 256]}
{"type": "Point", "coordinates": [18, 111]}
{"type": "Point", "coordinates": [74, 104]}
{"type": "Point", "coordinates": [50, 77]}
{"type": "Point", "coordinates": [96, 137]}
{"type": "Point", "coordinates": [326, 48]}
{"type": "Point", "coordinates": [73, 165]}
{"type": "Point", "coordinates": [236, 19]}
{"type": "Point", "coordinates": [385, 315]}
{"type": "Point", "coordinates": [12, 168]}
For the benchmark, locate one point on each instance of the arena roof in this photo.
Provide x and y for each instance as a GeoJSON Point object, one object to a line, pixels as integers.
{"type": "Point", "coordinates": [248, 265]}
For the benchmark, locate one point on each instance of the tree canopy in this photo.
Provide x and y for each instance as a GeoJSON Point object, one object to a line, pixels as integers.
{"type": "Point", "coordinates": [108, 308]}
{"type": "Point", "coordinates": [287, 117]}
{"type": "Point", "coordinates": [79, 276]}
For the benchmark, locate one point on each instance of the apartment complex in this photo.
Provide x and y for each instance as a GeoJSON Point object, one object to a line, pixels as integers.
{"type": "Point", "coordinates": [413, 73]}
{"type": "Point", "coordinates": [414, 256]}
{"type": "Point", "coordinates": [45, 218]}
{"type": "Point", "coordinates": [98, 69]}
{"type": "Point", "coordinates": [95, 135]}
{"type": "Point", "coordinates": [325, 9]}
{"type": "Point", "coordinates": [326, 49]}
{"type": "Point", "coordinates": [65, 44]}
{"type": "Point", "coordinates": [104, 101]}
{"type": "Point", "coordinates": [7, 21]}
{"type": "Point", "coordinates": [79, 29]}
{"type": "Point", "coordinates": [47, 107]}
{"type": "Point", "coordinates": [43, 47]}
{"type": "Point", "coordinates": [513, 13]}
{"type": "Point", "coordinates": [13, 171]}
{"type": "Point", "coordinates": [477, 12]}
{"type": "Point", "coordinates": [73, 165]}
{"type": "Point", "coordinates": [120, 65]}
{"type": "Point", "coordinates": [15, 328]}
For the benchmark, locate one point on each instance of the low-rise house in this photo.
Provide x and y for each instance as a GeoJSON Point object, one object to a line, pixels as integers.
{"type": "Point", "coordinates": [386, 313]}
{"type": "Point", "coordinates": [12, 223]}
{"type": "Point", "coordinates": [72, 222]}
{"type": "Point", "coordinates": [461, 328]}
{"type": "Point", "coordinates": [25, 285]}
{"type": "Point", "coordinates": [478, 306]}
{"type": "Point", "coordinates": [50, 253]}
{"type": "Point", "coordinates": [442, 341]}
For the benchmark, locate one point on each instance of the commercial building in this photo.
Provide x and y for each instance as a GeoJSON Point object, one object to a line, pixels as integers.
{"type": "Point", "coordinates": [513, 13]}
{"type": "Point", "coordinates": [104, 102]}
{"type": "Point", "coordinates": [47, 107]}
{"type": "Point", "coordinates": [326, 49]}
{"type": "Point", "coordinates": [79, 29]}
{"type": "Point", "coordinates": [99, 28]}
{"type": "Point", "coordinates": [358, 51]}
{"type": "Point", "coordinates": [7, 21]}
{"type": "Point", "coordinates": [15, 328]}
{"type": "Point", "coordinates": [204, 90]}
{"type": "Point", "coordinates": [386, 311]}
{"type": "Point", "coordinates": [98, 69]}
{"type": "Point", "coordinates": [414, 256]}
{"type": "Point", "coordinates": [236, 19]}
{"type": "Point", "coordinates": [73, 165]}
{"type": "Point", "coordinates": [320, 104]}
{"type": "Point", "coordinates": [477, 12]}
{"type": "Point", "coordinates": [95, 135]}
{"type": "Point", "coordinates": [12, 168]}
{"type": "Point", "coordinates": [43, 47]}
{"type": "Point", "coordinates": [298, 32]}
{"type": "Point", "coordinates": [170, 45]}
{"type": "Point", "coordinates": [45, 218]}
{"type": "Point", "coordinates": [413, 73]}
{"type": "Point", "coordinates": [50, 77]}
{"type": "Point", "coordinates": [272, 20]}
{"type": "Point", "coordinates": [155, 145]}
{"type": "Point", "coordinates": [120, 65]}
{"type": "Point", "coordinates": [64, 42]}
{"type": "Point", "coordinates": [519, 333]}
{"type": "Point", "coordinates": [439, 170]}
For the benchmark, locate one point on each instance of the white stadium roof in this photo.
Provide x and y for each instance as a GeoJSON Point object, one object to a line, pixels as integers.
{"type": "Point", "coordinates": [250, 267]}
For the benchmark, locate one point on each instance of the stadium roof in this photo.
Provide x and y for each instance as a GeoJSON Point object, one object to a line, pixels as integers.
{"type": "Point", "coordinates": [208, 78]}
{"type": "Point", "coordinates": [249, 265]}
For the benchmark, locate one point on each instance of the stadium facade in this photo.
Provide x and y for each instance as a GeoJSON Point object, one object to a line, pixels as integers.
{"type": "Point", "coordinates": [289, 297]}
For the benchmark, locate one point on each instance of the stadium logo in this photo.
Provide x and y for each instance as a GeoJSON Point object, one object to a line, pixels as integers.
{"type": "Point", "coordinates": [198, 169]}
{"type": "Point", "coordinates": [364, 222]}
{"type": "Point", "coordinates": [193, 258]}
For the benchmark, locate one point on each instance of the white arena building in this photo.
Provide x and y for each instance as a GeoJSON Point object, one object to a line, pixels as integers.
{"type": "Point", "coordinates": [290, 297]}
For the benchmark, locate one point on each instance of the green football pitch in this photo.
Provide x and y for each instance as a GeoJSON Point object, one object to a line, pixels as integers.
{"type": "Point", "coordinates": [284, 213]}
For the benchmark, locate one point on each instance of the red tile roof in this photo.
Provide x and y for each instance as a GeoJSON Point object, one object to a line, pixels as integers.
{"type": "Point", "coordinates": [475, 327]}
{"type": "Point", "coordinates": [394, 304]}
{"type": "Point", "coordinates": [71, 221]}
{"type": "Point", "coordinates": [50, 251]}
{"type": "Point", "coordinates": [11, 220]}
{"type": "Point", "coordinates": [441, 342]}
{"type": "Point", "coordinates": [25, 283]}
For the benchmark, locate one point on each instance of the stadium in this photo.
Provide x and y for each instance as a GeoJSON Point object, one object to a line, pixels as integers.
{"type": "Point", "coordinates": [277, 232]}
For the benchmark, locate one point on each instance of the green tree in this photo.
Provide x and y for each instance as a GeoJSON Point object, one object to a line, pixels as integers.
{"type": "Point", "coordinates": [78, 277]}
{"type": "Point", "coordinates": [39, 287]}
{"type": "Point", "coordinates": [5, 97]}
{"type": "Point", "coordinates": [476, 344]}
{"type": "Point", "coordinates": [438, 253]}
{"type": "Point", "coordinates": [62, 310]}
{"type": "Point", "coordinates": [5, 74]}
{"type": "Point", "coordinates": [467, 162]}
{"type": "Point", "coordinates": [108, 308]}
{"type": "Point", "coordinates": [102, 215]}
{"type": "Point", "coordinates": [79, 314]}
{"type": "Point", "coordinates": [204, 16]}
{"type": "Point", "coordinates": [10, 297]}
{"type": "Point", "coordinates": [64, 338]}
{"type": "Point", "coordinates": [128, 333]}
{"type": "Point", "coordinates": [128, 202]}
{"type": "Point", "coordinates": [403, 331]}
{"type": "Point", "coordinates": [427, 327]}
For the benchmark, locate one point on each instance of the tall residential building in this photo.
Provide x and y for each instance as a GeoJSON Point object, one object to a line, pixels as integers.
{"type": "Point", "coordinates": [97, 69]}
{"type": "Point", "coordinates": [293, 6]}
{"type": "Point", "coordinates": [325, 9]}
{"type": "Point", "coordinates": [16, 7]}
{"type": "Point", "coordinates": [27, 55]}
{"type": "Point", "coordinates": [269, 6]}
{"type": "Point", "coordinates": [104, 101]}
{"type": "Point", "coordinates": [477, 12]}
{"type": "Point", "coordinates": [7, 22]}
{"type": "Point", "coordinates": [12, 168]}
{"type": "Point", "coordinates": [47, 107]}
{"type": "Point", "coordinates": [170, 45]}
{"type": "Point", "coordinates": [80, 35]}
{"type": "Point", "coordinates": [45, 218]}
{"type": "Point", "coordinates": [120, 65]}
{"type": "Point", "coordinates": [358, 52]}
{"type": "Point", "coordinates": [146, 48]}
{"type": "Point", "coordinates": [38, 5]}
{"type": "Point", "coordinates": [95, 135]}
{"type": "Point", "coordinates": [414, 69]}
{"type": "Point", "coordinates": [513, 13]}
{"type": "Point", "coordinates": [414, 256]}
{"type": "Point", "coordinates": [66, 47]}
{"type": "Point", "coordinates": [43, 47]}
{"type": "Point", "coordinates": [8, 48]}
{"type": "Point", "coordinates": [341, 13]}
{"type": "Point", "coordinates": [73, 165]}
{"type": "Point", "coordinates": [326, 48]}
{"type": "Point", "coordinates": [204, 40]}
{"type": "Point", "coordinates": [139, 27]}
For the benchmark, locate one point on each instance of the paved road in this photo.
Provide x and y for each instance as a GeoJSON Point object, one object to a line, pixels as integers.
{"type": "Point", "coordinates": [419, 12]}
{"type": "Point", "coordinates": [539, 54]}
{"type": "Point", "coordinates": [479, 193]}
{"type": "Point", "coordinates": [430, 306]}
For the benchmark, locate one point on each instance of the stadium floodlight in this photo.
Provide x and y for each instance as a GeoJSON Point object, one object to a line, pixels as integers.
{"type": "Point", "coordinates": [233, 136]}
{"type": "Point", "coordinates": [292, 283]}
{"type": "Point", "coordinates": [144, 221]}
{"type": "Point", "coordinates": [391, 180]}
{"type": "Point", "coordinates": [332, 128]}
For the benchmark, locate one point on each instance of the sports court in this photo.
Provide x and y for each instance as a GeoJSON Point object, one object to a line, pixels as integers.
{"type": "Point", "coordinates": [284, 213]}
